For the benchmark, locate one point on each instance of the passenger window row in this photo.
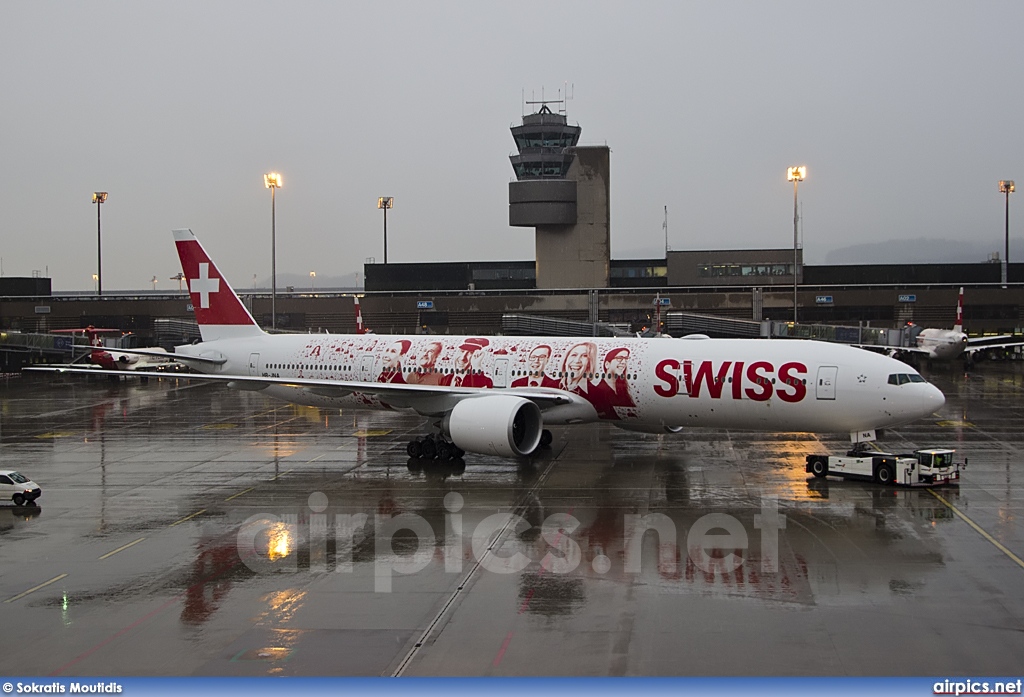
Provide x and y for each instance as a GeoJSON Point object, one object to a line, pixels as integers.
{"type": "Point", "coordinates": [447, 371]}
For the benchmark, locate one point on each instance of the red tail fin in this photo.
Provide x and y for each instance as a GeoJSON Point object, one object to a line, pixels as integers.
{"type": "Point", "coordinates": [98, 355]}
{"type": "Point", "coordinates": [959, 311]}
{"type": "Point", "coordinates": [359, 317]}
{"type": "Point", "coordinates": [219, 312]}
{"type": "Point", "coordinates": [94, 335]}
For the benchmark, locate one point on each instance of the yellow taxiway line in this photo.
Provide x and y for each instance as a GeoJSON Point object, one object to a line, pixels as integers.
{"type": "Point", "coordinates": [981, 531]}
{"type": "Point", "coordinates": [235, 496]}
{"type": "Point", "coordinates": [34, 589]}
{"type": "Point", "coordinates": [122, 548]}
{"type": "Point", "coordinates": [188, 517]}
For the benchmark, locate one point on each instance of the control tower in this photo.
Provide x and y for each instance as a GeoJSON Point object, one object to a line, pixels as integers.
{"type": "Point", "coordinates": [562, 190]}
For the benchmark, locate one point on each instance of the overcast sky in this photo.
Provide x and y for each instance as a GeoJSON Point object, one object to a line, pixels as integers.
{"type": "Point", "coordinates": [906, 114]}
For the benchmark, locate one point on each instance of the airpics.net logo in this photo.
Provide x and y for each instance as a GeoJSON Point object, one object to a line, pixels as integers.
{"type": "Point", "coordinates": [405, 543]}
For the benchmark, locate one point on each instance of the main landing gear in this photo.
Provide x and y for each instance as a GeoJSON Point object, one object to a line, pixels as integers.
{"type": "Point", "coordinates": [434, 446]}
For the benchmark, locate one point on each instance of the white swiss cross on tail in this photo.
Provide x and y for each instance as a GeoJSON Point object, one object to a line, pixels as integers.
{"type": "Point", "coordinates": [204, 285]}
{"type": "Point", "coordinates": [219, 312]}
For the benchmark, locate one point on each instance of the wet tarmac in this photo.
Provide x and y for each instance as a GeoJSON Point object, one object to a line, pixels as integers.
{"type": "Point", "coordinates": [193, 530]}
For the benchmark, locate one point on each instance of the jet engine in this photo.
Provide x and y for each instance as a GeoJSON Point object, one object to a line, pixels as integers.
{"type": "Point", "coordinates": [501, 425]}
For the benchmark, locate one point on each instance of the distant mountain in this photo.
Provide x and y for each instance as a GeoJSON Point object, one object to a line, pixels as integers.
{"type": "Point", "coordinates": [305, 283]}
{"type": "Point", "coordinates": [919, 251]}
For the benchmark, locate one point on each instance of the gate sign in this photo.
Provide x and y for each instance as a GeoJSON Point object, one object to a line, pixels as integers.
{"type": "Point", "coordinates": [424, 304]}
{"type": "Point", "coordinates": [823, 299]}
{"type": "Point", "coordinates": [908, 299]}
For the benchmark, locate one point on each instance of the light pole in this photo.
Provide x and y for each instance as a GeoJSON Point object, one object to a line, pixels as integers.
{"type": "Point", "coordinates": [272, 181]}
{"type": "Point", "coordinates": [95, 281]}
{"type": "Point", "coordinates": [98, 197]}
{"type": "Point", "coordinates": [312, 281]}
{"type": "Point", "coordinates": [384, 203]}
{"type": "Point", "coordinates": [795, 175]}
{"type": "Point", "coordinates": [179, 277]}
{"type": "Point", "coordinates": [1006, 186]}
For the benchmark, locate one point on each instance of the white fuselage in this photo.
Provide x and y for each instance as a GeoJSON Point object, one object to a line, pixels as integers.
{"type": "Point", "coordinates": [751, 384]}
{"type": "Point", "coordinates": [942, 344]}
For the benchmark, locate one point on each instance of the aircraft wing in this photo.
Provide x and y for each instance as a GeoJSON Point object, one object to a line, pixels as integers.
{"type": "Point", "coordinates": [72, 367]}
{"type": "Point", "coordinates": [423, 398]}
{"type": "Point", "coordinates": [910, 349]}
{"type": "Point", "coordinates": [155, 354]}
{"type": "Point", "coordinates": [985, 341]}
{"type": "Point", "coordinates": [974, 348]}
{"type": "Point", "coordinates": [891, 350]}
{"type": "Point", "coordinates": [874, 347]}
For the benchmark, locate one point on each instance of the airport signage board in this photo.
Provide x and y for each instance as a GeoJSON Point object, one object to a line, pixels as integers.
{"type": "Point", "coordinates": [42, 309]}
{"type": "Point", "coordinates": [664, 301]}
{"type": "Point", "coordinates": [908, 298]}
{"type": "Point", "coordinates": [424, 304]}
{"type": "Point", "coordinates": [823, 299]}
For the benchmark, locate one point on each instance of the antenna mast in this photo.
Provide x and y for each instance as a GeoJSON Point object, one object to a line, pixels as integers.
{"type": "Point", "coordinates": [561, 106]}
{"type": "Point", "coordinates": [665, 226]}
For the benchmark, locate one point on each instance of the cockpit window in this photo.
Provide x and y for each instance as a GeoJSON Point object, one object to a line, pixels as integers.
{"type": "Point", "coordinates": [904, 378]}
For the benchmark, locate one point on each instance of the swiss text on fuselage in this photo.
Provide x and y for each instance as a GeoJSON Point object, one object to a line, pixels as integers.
{"type": "Point", "coordinates": [758, 380]}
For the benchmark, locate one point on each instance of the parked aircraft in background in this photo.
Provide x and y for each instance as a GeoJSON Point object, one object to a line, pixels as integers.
{"type": "Point", "coordinates": [950, 344]}
{"type": "Point", "coordinates": [115, 359]}
{"type": "Point", "coordinates": [465, 384]}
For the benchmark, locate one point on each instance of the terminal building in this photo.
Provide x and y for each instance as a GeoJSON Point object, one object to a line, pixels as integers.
{"type": "Point", "coordinates": [562, 191]}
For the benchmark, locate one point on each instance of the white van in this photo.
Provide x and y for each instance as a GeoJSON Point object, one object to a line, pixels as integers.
{"type": "Point", "coordinates": [18, 488]}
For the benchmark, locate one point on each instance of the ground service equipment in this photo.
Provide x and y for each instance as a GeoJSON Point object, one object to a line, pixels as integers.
{"type": "Point", "coordinates": [925, 467]}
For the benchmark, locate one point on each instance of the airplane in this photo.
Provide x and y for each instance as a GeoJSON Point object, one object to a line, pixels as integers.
{"type": "Point", "coordinates": [950, 344]}
{"type": "Point", "coordinates": [495, 395]}
{"type": "Point", "coordinates": [112, 359]}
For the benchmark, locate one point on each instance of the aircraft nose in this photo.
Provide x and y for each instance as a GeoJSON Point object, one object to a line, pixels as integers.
{"type": "Point", "coordinates": [933, 400]}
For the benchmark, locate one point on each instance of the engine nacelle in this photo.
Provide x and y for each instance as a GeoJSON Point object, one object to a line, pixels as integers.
{"type": "Point", "coordinates": [502, 425]}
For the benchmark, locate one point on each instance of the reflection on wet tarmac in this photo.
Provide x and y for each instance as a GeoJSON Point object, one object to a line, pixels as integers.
{"type": "Point", "coordinates": [253, 538]}
{"type": "Point", "coordinates": [215, 569]}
